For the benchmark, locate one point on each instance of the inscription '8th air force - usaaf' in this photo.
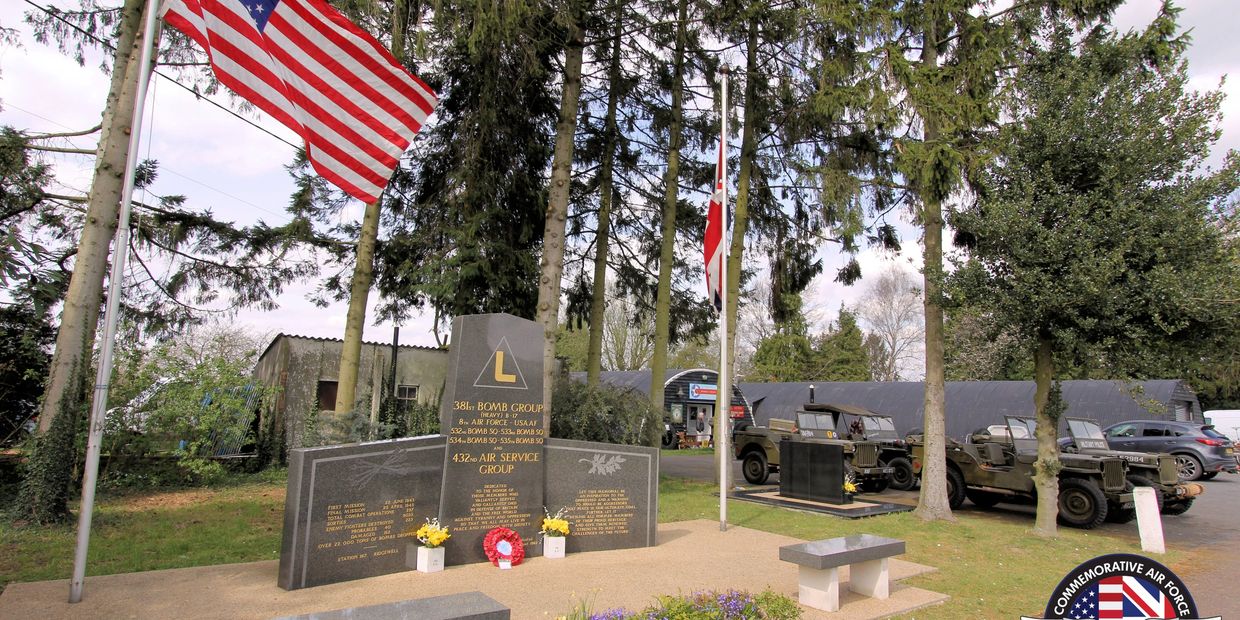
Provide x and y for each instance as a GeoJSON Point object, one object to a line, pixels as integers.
{"type": "Point", "coordinates": [1121, 586]}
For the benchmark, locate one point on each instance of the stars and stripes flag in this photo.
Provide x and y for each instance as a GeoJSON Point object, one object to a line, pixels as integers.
{"type": "Point", "coordinates": [312, 69]}
{"type": "Point", "coordinates": [1122, 597]}
{"type": "Point", "coordinates": [715, 220]}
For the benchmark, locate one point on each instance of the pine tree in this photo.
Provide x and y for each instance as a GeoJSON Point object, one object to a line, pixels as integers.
{"type": "Point", "coordinates": [1095, 237]}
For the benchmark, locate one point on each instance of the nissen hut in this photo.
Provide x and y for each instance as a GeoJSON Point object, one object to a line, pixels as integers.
{"type": "Point", "coordinates": [689, 402]}
{"type": "Point", "coordinates": [971, 405]}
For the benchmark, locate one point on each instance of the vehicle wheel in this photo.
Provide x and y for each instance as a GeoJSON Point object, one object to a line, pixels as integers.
{"type": "Point", "coordinates": [1178, 508]}
{"type": "Point", "coordinates": [875, 485]}
{"type": "Point", "coordinates": [1208, 475]}
{"type": "Point", "coordinates": [1081, 503]}
{"type": "Point", "coordinates": [669, 441]}
{"type": "Point", "coordinates": [1190, 467]}
{"type": "Point", "coordinates": [902, 478]}
{"type": "Point", "coordinates": [1139, 480]}
{"type": "Point", "coordinates": [1115, 514]}
{"type": "Point", "coordinates": [754, 468]}
{"type": "Point", "coordinates": [955, 488]}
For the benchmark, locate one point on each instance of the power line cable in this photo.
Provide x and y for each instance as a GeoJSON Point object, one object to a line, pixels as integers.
{"type": "Point", "coordinates": [55, 14]}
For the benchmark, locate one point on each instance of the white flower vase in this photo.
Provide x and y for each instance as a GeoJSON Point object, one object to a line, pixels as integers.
{"type": "Point", "coordinates": [430, 559]}
{"type": "Point", "coordinates": [553, 546]}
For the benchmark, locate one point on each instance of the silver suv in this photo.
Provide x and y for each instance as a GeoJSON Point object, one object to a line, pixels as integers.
{"type": "Point", "coordinates": [1200, 451]}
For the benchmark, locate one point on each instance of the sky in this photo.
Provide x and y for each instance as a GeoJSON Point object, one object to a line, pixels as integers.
{"type": "Point", "coordinates": [237, 171]}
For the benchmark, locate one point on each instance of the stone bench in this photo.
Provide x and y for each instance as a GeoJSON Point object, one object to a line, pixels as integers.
{"type": "Point", "coordinates": [819, 564]}
{"type": "Point", "coordinates": [463, 606]}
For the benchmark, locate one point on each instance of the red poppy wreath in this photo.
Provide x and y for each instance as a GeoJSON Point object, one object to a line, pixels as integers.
{"type": "Point", "coordinates": [503, 543]}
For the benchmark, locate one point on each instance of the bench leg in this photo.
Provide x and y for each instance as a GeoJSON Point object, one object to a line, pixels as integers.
{"type": "Point", "coordinates": [819, 588]}
{"type": "Point", "coordinates": [869, 578]}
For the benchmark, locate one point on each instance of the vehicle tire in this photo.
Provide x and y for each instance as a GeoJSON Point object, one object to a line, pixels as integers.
{"type": "Point", "coordinates": [1081, 503]}
{"type": "Point", "coordinates": [902, 478]}
{"type": "Point", "coordinates": [955, 488]}
{"type": "Point", "coordinates": [1178, 508]}
{"type": "Point", "coordinates": [876, 485]}
{"type": "Point", "coordinates": [1208, 475]}
{"type": "Point", "coordinates": [1115, 514]}
{"type": "Point", "coordinates": [1190, 467]}
{"type": "Point", "coordinates": [669, 441]}
{"type": "Point", "coordinates": [1139, 480]}
{"type": "Point", "coordinates": [982, 499]}
{"type": "Point", "coordinates": [755, 469]}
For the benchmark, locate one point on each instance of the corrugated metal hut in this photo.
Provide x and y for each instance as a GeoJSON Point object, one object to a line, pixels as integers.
{"type": "Point", "coordinates": [689, 398]}
{"type": "Point", "coordinates": [304, 369]}
{"type": "Point", "coordinates": [973, 404]}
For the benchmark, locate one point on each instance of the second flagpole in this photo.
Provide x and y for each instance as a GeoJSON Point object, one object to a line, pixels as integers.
{"type": "Point", "coordinates": [723, 398]}
{"type": "Point", "coordinates": [120, 251]}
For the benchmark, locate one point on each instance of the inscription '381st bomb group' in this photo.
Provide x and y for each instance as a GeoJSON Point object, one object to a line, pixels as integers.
{"type": "Point", "coordinates": [497, 422]}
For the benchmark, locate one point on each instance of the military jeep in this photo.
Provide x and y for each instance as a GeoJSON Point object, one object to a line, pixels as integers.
{"type": "Point", "coordinates": [995, 464]}
{"type": "Point", "coordinates": [1159, 471]}
{"type": "Point", "coordinates": [758, 449]}
{"type": "Point", "coordinates": [860, 424]}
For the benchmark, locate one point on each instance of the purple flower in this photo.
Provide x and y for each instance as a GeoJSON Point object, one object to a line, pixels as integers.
{"type": "Point", "coordinates": [610, 614]}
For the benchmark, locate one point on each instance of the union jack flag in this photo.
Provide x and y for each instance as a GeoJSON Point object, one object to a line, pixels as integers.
{"type": "Point", "coordinates": [1122, 597]}
{"type": "Point", "coordinates": [714, 251]}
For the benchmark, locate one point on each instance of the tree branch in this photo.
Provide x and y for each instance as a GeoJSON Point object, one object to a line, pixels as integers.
{"type": "Point", "coordinates": [67, 134]}
{"type": "Point", "coordinates": [56, 149]}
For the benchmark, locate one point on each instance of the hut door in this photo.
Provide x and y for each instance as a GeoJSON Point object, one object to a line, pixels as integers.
{"type": "Point", "coordinates": [701, 417]}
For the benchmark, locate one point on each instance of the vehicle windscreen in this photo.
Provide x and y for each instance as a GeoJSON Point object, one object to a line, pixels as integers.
{"type": "Point", "coordinates": [1087, 435]}
{"type": "Point", "coordinates": [816, 424]}
{"type": "Point", "coordinates": [880, 423]}
{"type": "Point", "coordinates": [1021, 428]}
{"type": "Point", "coordinates": [1085, 429]}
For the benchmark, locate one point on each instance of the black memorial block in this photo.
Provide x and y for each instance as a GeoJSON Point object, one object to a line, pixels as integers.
{"type": "Point", "coordinates": [347, 507]}
{"type": "Point", "coordinates": [811, 470]}
{"type": "Point", "coordinates": [493, 417]}
{"type": "Point", "coordinates": [611, 493]}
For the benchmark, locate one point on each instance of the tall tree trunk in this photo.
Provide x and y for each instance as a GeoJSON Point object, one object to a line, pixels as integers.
{"type": "Point", "coordinates": [740, 218]}
{"type": "Point", "coordinates": [933, 502]}
{"type": "Point", "coordinates": [355, 321]}
{"type": "Point", "coordinates": [740, 225]}
{"type": "Point", "coordinates": [363, 275]}
{"type": "Point", "coordinates": [1046, 469]}
{"type": "Point", "coordinates": [667, 250]}
{"type": "Point", "coordinates": [552, 264]}
{"type": "Point", "coordinates": [594, 355]}
{"type": "Point", "coordinates": [45, 490]}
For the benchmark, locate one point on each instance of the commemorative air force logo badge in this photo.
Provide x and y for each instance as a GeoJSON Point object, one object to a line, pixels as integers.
{"type": "Point", "coordinates": [1121, 586]}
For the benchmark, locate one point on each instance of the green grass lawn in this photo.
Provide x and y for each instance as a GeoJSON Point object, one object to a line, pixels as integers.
{"type": "Point", "coordinates": [687, 452]}
{"type": "Point", "coordinates": [990, 564]}
{"type": "Point", "coordinates": [154, 530]}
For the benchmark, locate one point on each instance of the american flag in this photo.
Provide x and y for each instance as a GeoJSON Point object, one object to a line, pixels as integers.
{"type": "Point", "coordinates": [1122, 598]}
{"type": "Point", "coordinates": [714, 248]}
{"type": "Point", "coordinates": [312, 69]}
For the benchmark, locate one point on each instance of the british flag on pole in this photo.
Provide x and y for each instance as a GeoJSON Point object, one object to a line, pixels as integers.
{"type": "Point", "coordinates": [715, 221]}
{"type": "Point", "coordinates": [316, 72]}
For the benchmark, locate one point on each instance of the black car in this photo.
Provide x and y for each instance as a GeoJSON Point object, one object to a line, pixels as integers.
{"type": "Point", "coordinates": [1200, 451]}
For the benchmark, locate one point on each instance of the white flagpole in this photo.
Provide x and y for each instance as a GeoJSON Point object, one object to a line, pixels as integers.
{"type": "Point", "coordinates": [120, 251]}
{"type": "Point", "coordinates": [723, 399]}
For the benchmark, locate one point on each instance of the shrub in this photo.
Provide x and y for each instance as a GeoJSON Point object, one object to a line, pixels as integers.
{"type": "Point", "coordinates": [605, 413]}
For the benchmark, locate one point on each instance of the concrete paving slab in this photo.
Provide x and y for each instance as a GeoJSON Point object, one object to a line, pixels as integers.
{"type": "Point", "coordinates": [691, 556]}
